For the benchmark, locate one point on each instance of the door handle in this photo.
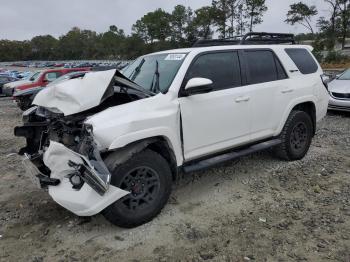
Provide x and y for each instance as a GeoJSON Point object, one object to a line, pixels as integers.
{"type": "Point", "coordinates": [242, 99]}
{"type": "Point", "coordinates": [287, 91]}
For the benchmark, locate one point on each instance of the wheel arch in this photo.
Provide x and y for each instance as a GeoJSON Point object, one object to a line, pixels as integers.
{"type": "Point", "coordinates": [308, 107]}
{"type": "Point", "coordinates": [306, 104]}
{"type": "Point", "coordinates": [158, 144]}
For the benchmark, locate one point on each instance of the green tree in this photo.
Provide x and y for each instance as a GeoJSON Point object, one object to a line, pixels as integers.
{"type": "Point", "coordinates": [203, 22]}
{"type": "Point", "coordinates": [140, 30]}
{"type": "Point", "coordinates": [344, 20]}
{"type": "Point", "coordinates": [78, 44]}
{"type": "Point", "coordinates": [110, 43]}
{"type": "Point", "coordinates": [179, 21]}
{"type": "Point", "coordinates": [154, 25]}
{"type": "Point", "coordinates": [44, 47]}
{"type": "Point", "coordinates": [235, 11]}
{"type": "Point", "coordinates": [221, 13]}
{"type": "Point", "coordinates": [255, 10]}
{"type": "Point", "coordinates": [302, 14]}
{"type": "Point", "coordinates": [241, 23]}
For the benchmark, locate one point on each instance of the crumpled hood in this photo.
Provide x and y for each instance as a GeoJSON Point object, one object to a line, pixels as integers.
{"type": "Point", "coordinates": [76, 95]}
{"type": "Point", "coordinates": [339, 86]}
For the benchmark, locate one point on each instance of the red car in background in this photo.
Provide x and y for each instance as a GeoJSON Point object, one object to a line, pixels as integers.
{"type": "Point", "coordinates": [48, 76]}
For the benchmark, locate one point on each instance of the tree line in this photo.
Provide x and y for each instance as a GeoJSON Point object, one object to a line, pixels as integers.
{"type": "Point", "coordinates": [160, 30]}
{"type": "Point", "coordinates": [157, 30]}
{"type": "Point", "coordinates": [330, 29]}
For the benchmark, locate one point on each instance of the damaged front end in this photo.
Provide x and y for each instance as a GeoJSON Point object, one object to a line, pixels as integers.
{"type": "Point", "coordinates": [62, 154]}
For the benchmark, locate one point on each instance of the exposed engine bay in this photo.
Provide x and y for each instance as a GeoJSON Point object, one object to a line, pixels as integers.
{"type": "Point", "coordinates": [62, 151]}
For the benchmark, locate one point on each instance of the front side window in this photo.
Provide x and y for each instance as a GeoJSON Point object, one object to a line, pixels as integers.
{"type": "Point", "coordinates": [263, 67]}
{"type": "Point", "coordinates": [303, 60]}
{"type": "Point", "coordinates": [222, 68]}
{"type": "Point", "coordinates": [155, 72]}
{"type": "Point", "coordinates": [35, 76]}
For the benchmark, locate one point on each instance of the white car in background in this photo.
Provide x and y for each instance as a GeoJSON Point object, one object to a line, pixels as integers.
{"type": "Point", "coordinates": [339, 90]}
{"type": "Point", "coordinates": [9, 88]}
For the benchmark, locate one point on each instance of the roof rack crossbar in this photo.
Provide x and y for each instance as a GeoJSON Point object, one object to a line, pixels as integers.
{"type": "Point", "coordinates": [252, 38]}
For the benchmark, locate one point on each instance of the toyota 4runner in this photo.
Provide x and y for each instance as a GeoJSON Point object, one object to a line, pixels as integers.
{"type": "Point", "coordinates": [113, 142]}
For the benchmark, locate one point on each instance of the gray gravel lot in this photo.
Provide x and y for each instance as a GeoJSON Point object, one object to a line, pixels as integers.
{"type": "Point", "coordinates": [257, 208]}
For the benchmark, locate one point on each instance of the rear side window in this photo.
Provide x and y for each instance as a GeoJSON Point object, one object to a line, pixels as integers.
{"type": "Point", "coordinates": [281, 73]}
{"type": "Point", "coordinates": [263, 66]}
{"type": "Point", "coordinates": [303, 60]}
{"type": "Point", "coordinates": [222, 68]}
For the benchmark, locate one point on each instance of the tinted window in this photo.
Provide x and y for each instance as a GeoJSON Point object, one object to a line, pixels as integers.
{"type": "Point", "coordinates": [261, 66]}
{"type": "Point", "coordinates": [303, 60]}
{"type": "Point", "coordinates": [222, 68]}
{"type": "Point", "coordinates": [281, 73]}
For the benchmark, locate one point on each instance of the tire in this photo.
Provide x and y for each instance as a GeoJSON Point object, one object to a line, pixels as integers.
{"type": "Point", "coordinates": [296, 137]}
{"type": "Point", "coordinates": [24, 104]}
{"type": "Point", "coordinates": [145, 202]}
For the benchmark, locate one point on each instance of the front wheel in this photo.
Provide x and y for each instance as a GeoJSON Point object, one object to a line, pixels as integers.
{"type": "Point", "coordinates": [24, 103]}
{"type": "Point", "coordinates": [147, 176]}
{"type": "Point", "coordinates": [296, 137]}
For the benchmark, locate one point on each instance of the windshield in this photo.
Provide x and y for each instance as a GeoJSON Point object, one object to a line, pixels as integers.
{"type": "Point", "coordinates": [145, 71]}
{"type": "Point", "coordinates": [34, 76]}
{"type": "Point", "coordinates": [345, 75]}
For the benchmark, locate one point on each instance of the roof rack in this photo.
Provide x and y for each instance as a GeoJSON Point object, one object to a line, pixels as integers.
{"type": "Point", "coordinates": [252, 38]}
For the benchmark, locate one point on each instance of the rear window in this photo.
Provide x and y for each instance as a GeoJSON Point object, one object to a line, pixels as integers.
{"type": "Point", "coordinates": [303, 60]}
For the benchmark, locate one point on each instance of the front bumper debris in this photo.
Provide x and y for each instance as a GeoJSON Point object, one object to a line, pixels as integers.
{"type": "Point", "coordinates": [94, 195]}
{"type": "Point", "coordinates": [36, 176]}
{"type": "Point", "coordinates": [62, 160]}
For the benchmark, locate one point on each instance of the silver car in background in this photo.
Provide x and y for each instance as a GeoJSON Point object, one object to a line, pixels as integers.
{"type": "Point", "coordinates": [339, 90]}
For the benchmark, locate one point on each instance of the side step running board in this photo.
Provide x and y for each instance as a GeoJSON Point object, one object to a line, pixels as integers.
{"type": "Point", "coordinates": [204, 164]}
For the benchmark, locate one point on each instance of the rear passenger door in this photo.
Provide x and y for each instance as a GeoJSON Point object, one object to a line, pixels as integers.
{"type": "Point", "coordinates": [220, 119]}
{"type": "Point", "coordinates": [265, 76]}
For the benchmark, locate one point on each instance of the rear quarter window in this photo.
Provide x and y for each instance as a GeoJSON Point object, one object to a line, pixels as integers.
{"type": "Point", "coordinates": [303, 60]}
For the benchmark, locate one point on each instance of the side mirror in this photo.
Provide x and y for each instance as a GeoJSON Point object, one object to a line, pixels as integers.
{"type": "Point", "coordinates": [198, 85]}
{"type": "Point", "coordinates": [31, 79]}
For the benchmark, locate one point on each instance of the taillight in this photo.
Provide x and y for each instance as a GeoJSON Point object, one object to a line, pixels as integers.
{"type": "Point", "coordinates": [324, 82]}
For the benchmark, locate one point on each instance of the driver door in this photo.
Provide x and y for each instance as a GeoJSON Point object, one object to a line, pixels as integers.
{"type": "Point", "coordinates": [220, 119]}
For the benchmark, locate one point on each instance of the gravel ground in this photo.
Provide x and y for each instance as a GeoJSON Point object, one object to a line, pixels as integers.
{"type": "Point", "coordinates": [257, 208]}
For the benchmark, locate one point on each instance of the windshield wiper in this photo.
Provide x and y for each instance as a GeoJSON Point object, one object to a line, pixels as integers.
{"type": "Point", "coordinates": [155, 86]}
{"type": "Point", "coordinates": [137, 70]}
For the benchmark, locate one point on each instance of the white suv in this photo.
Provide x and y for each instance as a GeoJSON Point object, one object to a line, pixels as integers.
{"type": "Point", "coordinates": [113, 142]}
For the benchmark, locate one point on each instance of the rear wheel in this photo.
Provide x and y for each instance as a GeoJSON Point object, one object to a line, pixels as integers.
{"type": "Point", "coordinates": [296, 136]}
{"type": "Point", "coordinates": [147, 176]}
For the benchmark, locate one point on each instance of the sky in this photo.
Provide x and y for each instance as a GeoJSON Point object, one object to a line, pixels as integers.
{"type": "Point", "coordinates": [23, 19]}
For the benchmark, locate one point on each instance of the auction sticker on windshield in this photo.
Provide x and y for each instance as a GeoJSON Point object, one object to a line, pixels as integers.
{"type": "Point", "coordinates": [175, 57]}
